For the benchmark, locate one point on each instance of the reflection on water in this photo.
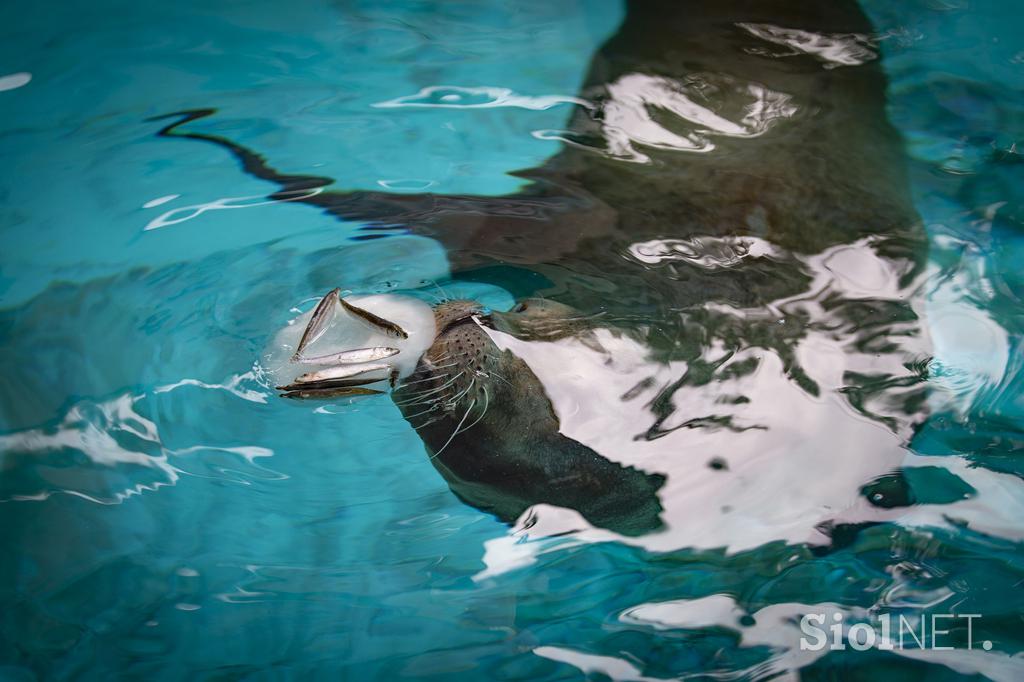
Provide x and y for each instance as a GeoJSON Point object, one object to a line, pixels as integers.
{"type": "Point", "coordinates": [707, 252]}
{"type": "Point", "coordinates": [775, 417]}
{"type": "Point", "coordinates": [810, 329]}
{"type": "Point", "coordinates": [181, 214]}
{"type": "Point", "coordinates": [454, 97]}
{"type": "Point", "coordinates": [840, 49]}
{"type": "Point", "coordinates": [14, 80]}
{"type": "Point", "coordinates": [627, 116]}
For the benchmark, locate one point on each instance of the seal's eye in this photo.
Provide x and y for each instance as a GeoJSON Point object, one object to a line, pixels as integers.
{"type": "Point", "coordinates": [519, 307]}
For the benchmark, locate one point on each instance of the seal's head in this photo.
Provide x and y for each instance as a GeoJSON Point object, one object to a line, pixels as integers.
{"type": "Point", "coordinates": [460, 354]}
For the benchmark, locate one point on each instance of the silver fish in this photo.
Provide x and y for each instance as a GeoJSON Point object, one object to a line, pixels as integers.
{"type": "Point", "coordinates": [321, 319]}
{"type": "Point", "coordinates": [349, 357]}
{"type": "Point", "coordinates": [336, 392]}
{"type": "Point", "coordinates": [387, 326]}
{"type": "Point", "coordinates": [340, 373]}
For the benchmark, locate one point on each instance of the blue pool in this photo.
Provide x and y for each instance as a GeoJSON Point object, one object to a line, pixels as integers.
{"type": "Point", "coordinates": [792, 243]}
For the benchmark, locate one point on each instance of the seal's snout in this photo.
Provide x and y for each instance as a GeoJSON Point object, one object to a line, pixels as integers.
{"type": "Point", "coordinates": [451, 312]}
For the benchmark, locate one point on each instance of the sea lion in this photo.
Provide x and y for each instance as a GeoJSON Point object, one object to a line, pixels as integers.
{"type": "Point", "coordinates": [730, 182]}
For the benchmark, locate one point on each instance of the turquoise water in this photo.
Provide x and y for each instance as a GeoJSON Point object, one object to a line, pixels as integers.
{"type": "Point", "coordinates": [164, 514]}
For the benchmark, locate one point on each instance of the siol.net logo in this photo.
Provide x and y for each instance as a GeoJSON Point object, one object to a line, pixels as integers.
{"type": "Point", "coordinates": [929, 631]}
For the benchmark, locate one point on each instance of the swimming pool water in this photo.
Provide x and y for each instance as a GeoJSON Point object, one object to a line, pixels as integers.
{"type": "Point", "coordinates": [164, 514]}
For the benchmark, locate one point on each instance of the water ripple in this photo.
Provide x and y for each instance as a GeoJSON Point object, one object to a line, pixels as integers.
{"type": "Point", "coordinates": [483, 97]}
{"type": "Point", "coordinates": [833, 49]}
{"type": "Point", "coordinates": [234, 386]}
{"type": "Point", "coordinates": [775, 630]}
{"type": "Point", "coordinates": [699, 108]}
{"type": "Point", "coordinates": [183, 213]}
{"type": "Point", "coordinates": [710, 253]}
{"type": "Point", "coordinates": [104, 452]}
{"type": "Point", "coordinates": [107, 452]}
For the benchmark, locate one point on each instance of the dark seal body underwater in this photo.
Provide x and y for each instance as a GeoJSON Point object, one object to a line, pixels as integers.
{"type": "Point", "coordinates": [512, 455]}
{"type": "Point", "coordinates": [710, 122]}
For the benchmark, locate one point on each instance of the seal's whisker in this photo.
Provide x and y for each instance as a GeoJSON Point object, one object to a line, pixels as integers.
{"type": "Point", "coordinates": [431, 378]}
{"type": "Point", "coordinates": [428, 423]}
{"type": "Point", "coordinates": [429, 409]}
{"type": "Point", "coordinates": [420, 398]}
{"type": "Point", "coordinates": [460, 354]}
{"type": "Point", "coordinates": [424, 391]}
{"type": "Point", "coordinates": [487, 401]}
{"type": "Point", "coordinates": [497, 374]}
{"type": "Point", "coordinates": [441, 358]}
{"type": "Point", "coordinates": [455, 399]}
{"type": "Point", "coordinates": [468, 410]}
{"type": "Point", "coordinates": [418, 401]}
{"type": "Point", "coordinates": [492, 372]}
{"type": "Point", "coordinates": [443, 292]}
{"type": "Point", "coordinates": [433, 390]}
{"type": "Point", "coordinates": [450, 364]}
{"type": "Point", "coordinates": [437, 299]}
{"type": "Point", "coordinates": [418, 395]}
{"type": "Point", "coordinates": [439, 377]}
{"type": "Point", "coordinates": [418, 381]}
{"type": "Point", "coordinates": [453, 358]}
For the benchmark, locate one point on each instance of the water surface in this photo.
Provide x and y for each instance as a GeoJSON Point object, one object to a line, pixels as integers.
{"type": "Point", "coordinates": [165, 514]}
